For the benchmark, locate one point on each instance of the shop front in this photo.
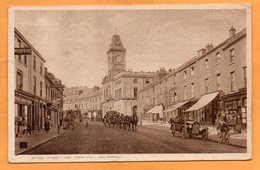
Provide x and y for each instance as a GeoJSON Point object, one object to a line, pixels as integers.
{"type": "Point", "coordinates": [29, 113]}
{"type": "Point", "coordinates": [155, 114]}
{"type": "Point", "coordinates": [176, 110]}
{"type": "Point", "coordinates": [52, 114]}
{"type": "Point", "coordinates": [23, 122]}
{"type": "Point", "coordinates": [235, 109]}
{"type": "Point", "coordinates": [205, 110]}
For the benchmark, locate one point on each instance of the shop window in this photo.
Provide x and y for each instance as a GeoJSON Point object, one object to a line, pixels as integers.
{"type": "Point", "coordinates": [19, 80]}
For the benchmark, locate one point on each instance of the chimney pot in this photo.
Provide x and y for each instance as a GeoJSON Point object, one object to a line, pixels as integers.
{"type": "Point", "coordinates": [232, 31]}
{"type": "Point", "coordinates": [201, 52]}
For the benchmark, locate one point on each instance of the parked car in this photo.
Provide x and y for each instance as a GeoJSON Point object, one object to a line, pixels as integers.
{"type": "Point", "coordinates": [188, 128]}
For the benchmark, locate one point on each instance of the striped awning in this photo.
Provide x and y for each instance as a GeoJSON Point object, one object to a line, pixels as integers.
{"type": "Point", "coordinates": [157, 109]}
{"type": "Point", "coordinates": [203, 101]}
{"type": "Point", "coordinates": [176, 106]}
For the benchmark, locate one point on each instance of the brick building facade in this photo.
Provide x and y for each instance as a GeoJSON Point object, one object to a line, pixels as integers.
{"type": "Point", "coordinates": [220, 70]}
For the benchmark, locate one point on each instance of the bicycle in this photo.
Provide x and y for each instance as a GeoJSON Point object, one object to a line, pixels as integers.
{"type": "Point", "coordinates": [224, 134]}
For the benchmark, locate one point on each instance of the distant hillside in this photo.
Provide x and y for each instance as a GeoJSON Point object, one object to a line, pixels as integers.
{"type": "Point", "coordinates": [68, 91]}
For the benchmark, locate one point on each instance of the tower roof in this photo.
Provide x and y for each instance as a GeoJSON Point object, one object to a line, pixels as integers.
{"type": "Point", "coordinates": [116, 44]}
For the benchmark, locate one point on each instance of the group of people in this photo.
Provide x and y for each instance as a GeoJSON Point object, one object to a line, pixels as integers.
{"type": "Point", "coordinates": [229, 119]}
{"type": "Point", "coordinates": [24, 127]}
{"type": "Point", "coordinates": [115, 119]}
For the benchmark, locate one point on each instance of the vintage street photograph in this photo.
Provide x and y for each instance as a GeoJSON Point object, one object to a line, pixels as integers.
{"type": "Point", "coordinates": [130, 83]}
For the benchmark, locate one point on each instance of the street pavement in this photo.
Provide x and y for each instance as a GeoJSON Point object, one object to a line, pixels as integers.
{"type": "Point", "coordinates": [98, 139]}
{"type": "Point", "coordinates": [37, 139]}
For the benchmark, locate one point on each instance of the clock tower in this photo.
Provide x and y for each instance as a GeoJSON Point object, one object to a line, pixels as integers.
{"type": "Point", "coordinates": [116, 57]}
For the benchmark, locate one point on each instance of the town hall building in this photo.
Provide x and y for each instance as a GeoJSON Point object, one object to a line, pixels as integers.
{"type": "Point", "coordinates": [120, 87]}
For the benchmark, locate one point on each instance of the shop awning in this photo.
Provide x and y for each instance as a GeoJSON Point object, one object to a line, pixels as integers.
{"type": "Point", "coordinates": [203, 101]}
{"type": "Point", "coordinates": [176, 106]}
{"type": "Point", "coordinates": [157, 109]}
{"type": "Point", "coordinates": [150, 111]}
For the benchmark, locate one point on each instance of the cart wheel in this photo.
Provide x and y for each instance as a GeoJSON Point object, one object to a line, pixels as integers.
{"type": "Point", "coordinates": [173, 129]}
{"type": "Point", "coordinates": [184, 133]}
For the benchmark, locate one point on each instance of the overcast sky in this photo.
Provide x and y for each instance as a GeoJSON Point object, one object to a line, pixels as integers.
{"type": "Point", "coordinates": [74, 43]}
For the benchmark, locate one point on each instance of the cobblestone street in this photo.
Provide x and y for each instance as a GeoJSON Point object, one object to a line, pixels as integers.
{"type": "Point", "coordinates": [98, 139]}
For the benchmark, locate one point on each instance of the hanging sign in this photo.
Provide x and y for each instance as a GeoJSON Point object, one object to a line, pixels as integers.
{"type": "Point", "coordinates": [22, 51]}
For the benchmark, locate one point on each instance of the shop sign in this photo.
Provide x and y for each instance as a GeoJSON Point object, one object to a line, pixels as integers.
{"type": "Point", "coordinates": [22, 51]}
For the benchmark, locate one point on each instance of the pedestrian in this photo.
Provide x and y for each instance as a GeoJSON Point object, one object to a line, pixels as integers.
{"type": "Point", "coordinates": [24, 127]}
{"type": "Point", "coordinates": [29, 129]}
{"type": "Point", "coordinates": [46, 125]}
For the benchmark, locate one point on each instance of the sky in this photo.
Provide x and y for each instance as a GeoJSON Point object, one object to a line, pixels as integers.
{"type": "Point", "coordinates": [74, 42]}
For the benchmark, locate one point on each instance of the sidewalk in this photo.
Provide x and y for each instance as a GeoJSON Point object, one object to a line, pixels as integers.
{"type": "Point", "coordinates": [236, 139]}
{"type": "Point", "coordinates": [36, 139]}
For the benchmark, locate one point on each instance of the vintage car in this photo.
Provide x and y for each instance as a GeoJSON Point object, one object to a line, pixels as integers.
{"type": "Point", "coordinates": [188, 128]}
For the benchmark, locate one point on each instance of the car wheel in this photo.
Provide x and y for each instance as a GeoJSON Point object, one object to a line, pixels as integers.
{"type": "Point", "coordinates": [184, 133]}
{"type": "Point", "coordinates": [173, 130]}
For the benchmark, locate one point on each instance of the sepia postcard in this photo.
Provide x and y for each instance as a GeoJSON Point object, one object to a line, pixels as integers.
{"type": "Point", "coordinates": [129, 83]}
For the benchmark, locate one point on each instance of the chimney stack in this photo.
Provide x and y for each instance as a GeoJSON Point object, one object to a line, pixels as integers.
{"type": "Point", "coordinates": [162, 72]}
{"type": "Point", "coordinates": [201, 52]}
{"type": "Point", "coordinates": [232, 31]}
{"type": "Point", "coordinates": [209, 47]}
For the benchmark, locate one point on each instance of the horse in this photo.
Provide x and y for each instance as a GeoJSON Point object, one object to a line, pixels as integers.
{"type": "Point", "coordinates": [126, 123]}
{"type": "Point", "coordinates": [133, 122]}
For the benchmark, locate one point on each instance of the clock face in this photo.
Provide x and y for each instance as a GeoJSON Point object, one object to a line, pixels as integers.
{"type": "Point", "coordinates": [118, 58]}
